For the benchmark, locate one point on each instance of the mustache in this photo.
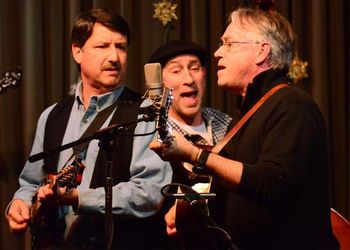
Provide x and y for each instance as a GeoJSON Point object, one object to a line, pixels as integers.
{"type": "Point", "coordinates": [113, 66]}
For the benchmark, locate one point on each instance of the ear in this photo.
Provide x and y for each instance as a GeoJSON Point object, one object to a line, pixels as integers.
{"type": "Point", "coordinates": [263, 53]}
{"type": "Point", "coordinates": [204, 70]}
{"type": "Point", "coordinates": [76, 53]}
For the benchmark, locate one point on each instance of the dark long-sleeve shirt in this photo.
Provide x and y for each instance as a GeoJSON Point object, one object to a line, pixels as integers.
{"type": "Point", "coordinates": [282, 201]}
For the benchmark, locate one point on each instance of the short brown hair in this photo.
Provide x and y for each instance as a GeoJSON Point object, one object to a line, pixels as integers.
{"type": "Point", "coordinates": [84, 25]}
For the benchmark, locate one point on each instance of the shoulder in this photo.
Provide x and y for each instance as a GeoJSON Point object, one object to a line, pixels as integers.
{"type": "Point", "coordinates": [49, 108]}
{"type": "Point", "coordinates": [294, 96]}
{"type": "Point", "coordinates": [130, 95]}
{"type": "Point", "coordinates": [293, 104]}
{"type": "Point", "coordinates": [44, 116]}
{"type": "Point", "coordinates": [219, 121]}
{"type": "Point", "coordinates": [214, 114]}
{"type": "Point", "coordinates": [59, 106]}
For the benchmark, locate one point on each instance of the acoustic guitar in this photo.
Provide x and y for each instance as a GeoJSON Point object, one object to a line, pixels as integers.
{"type": "Point", "coordinates": [193, 222]}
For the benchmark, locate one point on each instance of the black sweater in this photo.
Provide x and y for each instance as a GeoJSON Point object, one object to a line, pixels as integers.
{"type": "Point", "coordinates": [282, 201]}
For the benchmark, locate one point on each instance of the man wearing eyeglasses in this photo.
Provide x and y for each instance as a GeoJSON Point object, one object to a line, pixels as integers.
{"type": "Point", "coordinates": [274, 169]}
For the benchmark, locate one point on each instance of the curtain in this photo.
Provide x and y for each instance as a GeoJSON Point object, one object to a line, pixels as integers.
{"type": "Point", "coordinates": [35, 35]}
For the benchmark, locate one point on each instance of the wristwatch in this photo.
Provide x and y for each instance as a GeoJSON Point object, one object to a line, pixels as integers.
{"type": "Point", "coordinates": [201, 168]}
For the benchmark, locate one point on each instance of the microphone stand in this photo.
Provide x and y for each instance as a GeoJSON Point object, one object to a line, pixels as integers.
{"type": "Point", "coordinates": [106, 136]}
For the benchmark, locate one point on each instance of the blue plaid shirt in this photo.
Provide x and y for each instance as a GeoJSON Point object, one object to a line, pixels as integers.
{"type": "Point", "coordinates": [214, 119]}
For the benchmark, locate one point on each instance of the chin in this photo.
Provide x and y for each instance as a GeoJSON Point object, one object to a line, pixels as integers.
{"type": "Point", "coordinates": [191, 112]}
{"type": "Point", "coordinates": [112, 84]}
{"type": "Point", "coordinates": [220, 84]}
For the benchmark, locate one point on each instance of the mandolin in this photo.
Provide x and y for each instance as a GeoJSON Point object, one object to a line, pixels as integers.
{"type": "Point", "coordinates": [44, 215]}
{"type": "Point", "coordinates": [10, 79]}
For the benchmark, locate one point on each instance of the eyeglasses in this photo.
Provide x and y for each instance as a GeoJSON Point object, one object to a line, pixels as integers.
{"type": "Point", "coordinates": [228, 44]}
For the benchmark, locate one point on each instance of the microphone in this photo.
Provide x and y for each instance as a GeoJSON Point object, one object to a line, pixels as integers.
{"type": "Point", "coordinates": [154, 90]}
{"type": "Point", "coordinates": [161, 98]}
{"type": "Point", "coordinates": [154, 81]}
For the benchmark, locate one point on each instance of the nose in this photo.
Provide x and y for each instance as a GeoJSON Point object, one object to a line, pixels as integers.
{"type": "Point", "coordinates": [187, 77]}
{"type": "Point", "coordinates": [218, 53]}
{"type": "Point", "coordinates": [113, 55]}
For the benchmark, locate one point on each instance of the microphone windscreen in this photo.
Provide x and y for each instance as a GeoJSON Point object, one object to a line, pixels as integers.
{"type": "Point", "coordinates": [153, 76]}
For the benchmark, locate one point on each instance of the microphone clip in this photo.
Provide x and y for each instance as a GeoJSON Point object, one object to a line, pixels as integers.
{"type": "Point", "coordinates": [188, 193]}
{"type": "Point", "coordinates": [150, 113]}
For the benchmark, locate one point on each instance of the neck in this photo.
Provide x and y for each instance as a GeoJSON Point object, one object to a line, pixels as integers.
{"type": "Point", "coordinates": [88, 91]}
{"type": "Point", "coordinates": [256, 72]}
{"type": "Point", "coordinates": [86, 95]}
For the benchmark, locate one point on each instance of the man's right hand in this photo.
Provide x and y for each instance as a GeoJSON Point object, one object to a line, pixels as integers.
{"type": "Point", "coordinates": [170, 221]}
{"type": "Point", "coordinates": [18, 216]}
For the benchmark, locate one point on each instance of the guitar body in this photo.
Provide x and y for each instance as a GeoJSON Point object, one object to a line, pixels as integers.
{"type": "Point", "coordinates": [193, 223]}
{"type": "Point", "coordinates": [192, 218]}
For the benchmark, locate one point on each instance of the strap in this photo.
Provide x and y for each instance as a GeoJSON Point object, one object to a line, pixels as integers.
{"type": "Point", "coordinates": [100, 118]}
{"type": "Point", "coordinates": [96, 124]}
{"type": "Point", "coordinates": [245, 118]}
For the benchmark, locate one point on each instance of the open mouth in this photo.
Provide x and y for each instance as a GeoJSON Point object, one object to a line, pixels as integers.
{"type": "Point", "coordinates": [190, 94]}
{"type": "Point", "coordinates": [220, 67]}
{"type": "Point", "coordinates": [189, 98]}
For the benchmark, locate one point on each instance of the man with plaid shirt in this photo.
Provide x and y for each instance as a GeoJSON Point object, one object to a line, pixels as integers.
{"type": "Point", "coordinates": [183, 70]}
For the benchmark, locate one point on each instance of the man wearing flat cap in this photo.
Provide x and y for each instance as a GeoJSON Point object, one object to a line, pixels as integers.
{"type": "Point", "coordinates": [183, 70]}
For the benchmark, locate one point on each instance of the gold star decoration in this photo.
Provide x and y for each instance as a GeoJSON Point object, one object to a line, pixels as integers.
{"type": "Point", "coordinates": [164, 11]}
{"type": "Point", "coordinates": [298, 69]}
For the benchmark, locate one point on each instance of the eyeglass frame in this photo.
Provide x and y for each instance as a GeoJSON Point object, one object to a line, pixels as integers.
{"type": "Point", "coordinates": [228, 44]}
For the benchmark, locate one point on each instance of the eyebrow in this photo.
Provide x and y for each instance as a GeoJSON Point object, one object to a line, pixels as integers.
{"type": "Point", "coordinates": [190, 62]}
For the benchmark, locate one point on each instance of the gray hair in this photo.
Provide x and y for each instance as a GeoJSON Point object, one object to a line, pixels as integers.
{"type": "Point", "coordinates": [275, 29]}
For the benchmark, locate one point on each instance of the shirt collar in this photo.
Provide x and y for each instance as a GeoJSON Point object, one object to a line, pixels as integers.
{"type": "Point", "coordinates": [102, 101]}
{"type": "Point", "coordinates": [261, 84]}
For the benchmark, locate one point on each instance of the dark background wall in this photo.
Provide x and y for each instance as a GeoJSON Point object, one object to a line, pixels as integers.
{"type": "Point", "coordinates": [34, 34]}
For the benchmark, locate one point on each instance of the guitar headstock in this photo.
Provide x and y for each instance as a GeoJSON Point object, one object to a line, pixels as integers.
{"type": "Point", "coordinates": [162, 124]}
{"type": "Point", "coordinates": [71, 175]}
{"type": "Point", "coordinates": [10, 79]}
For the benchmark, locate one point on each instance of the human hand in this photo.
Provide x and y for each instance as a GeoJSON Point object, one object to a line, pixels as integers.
{"type": "Point", "coordinates": [176, 149]}
{"type": "Point", "coordinates": [45, 193]}
{"type": "Point", "coordinates": [170, 222]}
{"type": "Point", "coordinates": [59, 197]}
{"type": "Point", "coordinates": [18, 216]}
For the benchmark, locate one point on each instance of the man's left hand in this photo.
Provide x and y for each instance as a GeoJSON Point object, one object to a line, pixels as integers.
{"type": "Point", "coordinates": [176, 149]}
